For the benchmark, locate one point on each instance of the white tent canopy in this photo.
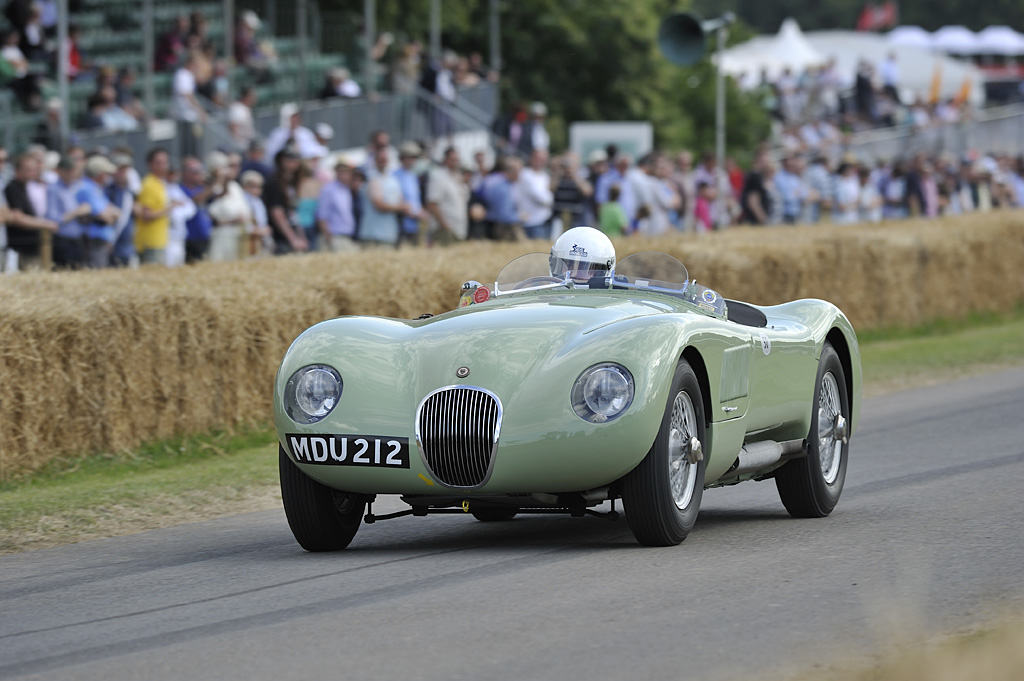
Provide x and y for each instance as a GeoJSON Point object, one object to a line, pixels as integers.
{"type": "Point", "coordinates": [788, 48]}
{"type": "Point", "coordinates": [910, 36]}
{"type": "Point", "coordinates": [917, 67]}
{"type": "Point", "coordinates": [1001, 40]}
{"type": "Point", "coordinates": [956, 40]}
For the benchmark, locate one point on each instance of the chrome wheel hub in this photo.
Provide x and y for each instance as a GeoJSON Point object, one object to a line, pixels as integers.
{"type": "Point", "coordinates": [832, 428]}
{"type": "Point", "coordinates": [684, 450]}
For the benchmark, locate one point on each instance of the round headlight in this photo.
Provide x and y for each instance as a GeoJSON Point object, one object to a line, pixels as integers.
{"type": "Point", "coordinates": [311, 393]}
{"type": "Point", "coordinates": [602, 392]}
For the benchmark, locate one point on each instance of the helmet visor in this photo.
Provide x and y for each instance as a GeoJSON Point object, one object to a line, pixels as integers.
{"type": "Point", "coordinates": [580, 271]}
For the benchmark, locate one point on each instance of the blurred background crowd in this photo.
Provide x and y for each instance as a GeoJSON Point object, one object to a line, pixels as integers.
{"type": "Point", "coordinates": [250, 165]}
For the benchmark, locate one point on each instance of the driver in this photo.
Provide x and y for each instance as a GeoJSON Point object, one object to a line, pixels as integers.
{"type": "Point", "coordinates": [583, 253]}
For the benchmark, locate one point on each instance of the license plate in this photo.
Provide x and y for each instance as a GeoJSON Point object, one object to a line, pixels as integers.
{"type": "Point", "coordinates": [350, 450]}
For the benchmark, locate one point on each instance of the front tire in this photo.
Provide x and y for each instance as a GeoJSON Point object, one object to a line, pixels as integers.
{"type": "Point", "coordinates": [321, 518]}
{"type": "Point", "coordinates": [662, 494]}
{"type": "Point", "coordinates": [810, 487]}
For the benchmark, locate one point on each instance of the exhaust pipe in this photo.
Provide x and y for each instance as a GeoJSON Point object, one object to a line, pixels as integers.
{"type": "Point", "coordinates": [757, 455]}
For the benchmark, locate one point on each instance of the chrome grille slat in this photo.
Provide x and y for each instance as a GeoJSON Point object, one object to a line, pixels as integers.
{"type": "Point", "coordinates": [457, 429]}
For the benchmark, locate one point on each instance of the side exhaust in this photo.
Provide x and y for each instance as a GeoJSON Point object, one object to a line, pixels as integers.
{"type": "Point", "coordinates": [757, 455]}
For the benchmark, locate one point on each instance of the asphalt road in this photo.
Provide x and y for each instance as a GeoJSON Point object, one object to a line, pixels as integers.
{"type": "Point", "coordinates": [927, 538]}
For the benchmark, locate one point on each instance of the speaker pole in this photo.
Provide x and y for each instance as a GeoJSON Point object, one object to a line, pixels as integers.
{"type": "Point", "coordinates": [720, 119]}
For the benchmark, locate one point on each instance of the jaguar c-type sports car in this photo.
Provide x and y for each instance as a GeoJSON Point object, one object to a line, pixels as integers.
{"type": "Point", "coordinates": [542, 394]}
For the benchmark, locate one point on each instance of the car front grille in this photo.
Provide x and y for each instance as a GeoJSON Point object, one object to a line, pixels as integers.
{"type": "Point", "coordinates": [457, 430]}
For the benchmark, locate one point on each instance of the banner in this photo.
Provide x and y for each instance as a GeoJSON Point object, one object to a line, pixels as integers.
{"type": "Point", "coordinates": [878, 17]}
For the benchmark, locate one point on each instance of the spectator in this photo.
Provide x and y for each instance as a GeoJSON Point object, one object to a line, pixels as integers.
{"type": "Point", "coordinates": [228, 207]}
{"type": "Point", "coordinates": [616, 176]}
{"type": "Point", "coordinates": [820, 191]}
{"type": "Point", "coordinates": [334, 212]}
{"type": "Point", "coordinates": [405, 73]}
{"type": "Point", "coordinates": [64, 208]}
{"type": "Point", "coordinates": [170, 46]}
{"type": "Point", "coordinates": [199, 31]}
{"type": "Point", "coordinates": [847, 194]}
{"type": "Point", "coordinates": [614, 222]}
{"type": "Point", "coordinates": [186, 106]}
{"type": "Point", "coordinates": [686, 187]}
{"type": "Point", "coordinates": [184, 209]}
{"type": "Point", "coordinates": [33, 38]}
{"type": "Point", "coordinates": [154, 209]}
{"type": "Point", "coordinates": [500, 193]}
{"type": "Point", "coordinates": [597, 165]}
{"type": "Point", "coordinates": [870, 201]}
{"type": "Point", "coordinates": [889, 71]}
{"type": "Point", "coordinates": [125, 95]}
{"type": "Point", "coordinates": [258, 229]}
{"type": "Point", "coordinates": [77, 64]}
{"type": "Point", "coordinates": [535, 135]}
{"type": "Point", "coordinates": [755, 200]}
{"type": "Point", "coordinates": [278, 195]}
{"type": "Point", "coordinates": [249, 52]}
{"type": "Point", "coordinates": [382, 204]}
{"type": "Point", "coordinates": [704, 207]}
{"type": "Point", "coordinates": [254, 160]}
{"type": "Point", "coordinates": [665, 202]}
{"type": "Point", "coordinates": [25, 210]}
{"type": "Point", "coordinates": [120, 195]}
{"type": "Point", "coordinates": [199, 187]}
{"type": "Point", "coordinates": [571, 191]}
{"type": "Point", "coordinates": [792, 192]}
{"type": "Point", "coordinates": [338, 83]}
{"type": "Point", "coordinates": [358, 197]}
{"type": "Point", "coordinates": [101, 215]}
{"type": "Point", "coordinates": [217, 88]}
{"type": "Point", "coordinates": [14, 65]}
{"type": "Point", "coordinates": [240, 119]}
{"type": "Point", "coordinates": [894, 194]}
{"type": "Point", "coordinates": [535, 197]}
{"type": "Point", "coordinates": [409, 181]}
{"type": "Point", "coordinates": [6, 172]}
{"type": "Point", "coordinates": [509, 130]}
{"type": "Point", "coordinates": [307, 188]}
{"type": "Point", "coordinates": [638, 178]}
{"type": "Point", "coordinates": [324, 133]}
{"type": "Point", "coordinates": [291, 128]}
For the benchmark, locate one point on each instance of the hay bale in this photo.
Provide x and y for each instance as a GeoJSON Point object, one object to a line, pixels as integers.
{"type": "Point", "coordinates": [103, 361]}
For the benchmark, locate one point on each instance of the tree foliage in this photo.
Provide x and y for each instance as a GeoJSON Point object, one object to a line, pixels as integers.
{"type": "Point", "coordinates": [590, 60]}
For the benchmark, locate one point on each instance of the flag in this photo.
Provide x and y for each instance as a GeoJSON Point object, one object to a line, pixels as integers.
{"type": "Point", "coordinates": [877, 17]}
{"type": "Point", "coordinates": [936, 89]}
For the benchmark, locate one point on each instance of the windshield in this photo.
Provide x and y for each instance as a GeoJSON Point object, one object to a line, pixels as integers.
{"type": "Point", "coordinates": [646, 271]}
{"type": "Point", "coordinates": [528, 273]}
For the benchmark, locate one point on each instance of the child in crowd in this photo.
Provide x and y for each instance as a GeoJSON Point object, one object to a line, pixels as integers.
{"type": "Point", "coordinates": [613, 219]}
{"type": "Point", "coordinates": [702, 218]}
{"type": "Point", "coordinates": [259, 228]}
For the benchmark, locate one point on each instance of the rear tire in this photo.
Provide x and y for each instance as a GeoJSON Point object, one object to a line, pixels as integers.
{"type": "Point", "coordinates": [662, 494]}
{"type": "Point", "coordinates": [321, 518]}
{"type": "Point", "coordinates": [810, 487]}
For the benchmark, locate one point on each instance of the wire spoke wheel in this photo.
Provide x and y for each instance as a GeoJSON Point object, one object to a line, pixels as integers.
{"type": "Point", "coordinates": [682, 474]}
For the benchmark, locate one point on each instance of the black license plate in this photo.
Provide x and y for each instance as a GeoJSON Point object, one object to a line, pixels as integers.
{"type": "Point", "coordinates": [377, 451]}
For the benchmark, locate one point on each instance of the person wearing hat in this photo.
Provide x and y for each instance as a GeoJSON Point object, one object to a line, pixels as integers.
{"type": "Point", "coordinates": [408, 154]}
{"type": "Point", "coordinates": [534, 134]}
{"type": "Point", "coordinates": [119, 193]}
{"type": "Point", "coordinates": [99, 224]}
{"type": "Point", "coordinates": [291, 128]}
{"type": "Point", "coordinates": [334, 213]}
{"type": "Point", "coordinates": [64, 209]}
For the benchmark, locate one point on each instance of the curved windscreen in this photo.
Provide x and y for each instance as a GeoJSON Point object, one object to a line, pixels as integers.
{"type": "Point", "coordinates": [527, 273]}
{"type": "Point", "coordinates": [650, 269]}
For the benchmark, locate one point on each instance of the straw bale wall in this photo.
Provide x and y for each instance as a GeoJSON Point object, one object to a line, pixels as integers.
{"type": "Point", "coordinates": [96, 362]}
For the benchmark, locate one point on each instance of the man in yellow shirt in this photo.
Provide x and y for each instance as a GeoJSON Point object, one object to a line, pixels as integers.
{"type": "Point", "coordinates": [152, 223]}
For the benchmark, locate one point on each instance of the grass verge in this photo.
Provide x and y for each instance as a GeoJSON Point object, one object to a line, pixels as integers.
{"type": "Point", "coordinates": [202, 477]}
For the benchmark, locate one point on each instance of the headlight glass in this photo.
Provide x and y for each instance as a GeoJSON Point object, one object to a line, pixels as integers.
{"type": "Point", "coordinates": [311, 393]}
{"type": "Point", "coordinates": [602, 392]}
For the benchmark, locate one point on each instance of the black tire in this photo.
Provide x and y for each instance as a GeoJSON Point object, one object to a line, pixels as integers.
{"type": "Point", "coordinates": [647, 497]}
{"type": "Point", "coordinates": [803, 486]}
{"type": "Point", "coordinates": [321, 518]}
{"type": "Point", "coordinates": [493, 515]}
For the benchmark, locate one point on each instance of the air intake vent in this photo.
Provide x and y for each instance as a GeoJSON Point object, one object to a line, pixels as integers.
{"type": "Point", "coordinates": [457, 429]}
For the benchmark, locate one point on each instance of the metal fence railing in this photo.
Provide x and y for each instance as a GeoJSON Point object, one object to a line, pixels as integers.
{"type": "Point", "coordinates": [995, 130]}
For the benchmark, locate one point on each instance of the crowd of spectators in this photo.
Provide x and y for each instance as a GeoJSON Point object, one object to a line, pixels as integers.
{"type": "Point", "coordinates": [291, 194]}
{"type": "Point", "coordinates": [815, 109]}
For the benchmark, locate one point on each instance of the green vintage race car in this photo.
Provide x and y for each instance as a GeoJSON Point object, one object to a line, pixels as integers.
{"type": "Point", "coordinates": [547, 395]}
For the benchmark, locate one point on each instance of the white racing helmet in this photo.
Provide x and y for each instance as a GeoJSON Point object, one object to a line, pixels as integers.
{"type": "Point", "coordinates": [583, 252]}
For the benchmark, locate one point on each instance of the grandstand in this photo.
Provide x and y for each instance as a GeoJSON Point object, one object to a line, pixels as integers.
{"type": "Point", "coordinates": [112, 35]}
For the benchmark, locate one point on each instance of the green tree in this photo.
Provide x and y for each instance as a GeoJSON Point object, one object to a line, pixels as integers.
{"type": "Point", "coordinates": [592, 60]}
